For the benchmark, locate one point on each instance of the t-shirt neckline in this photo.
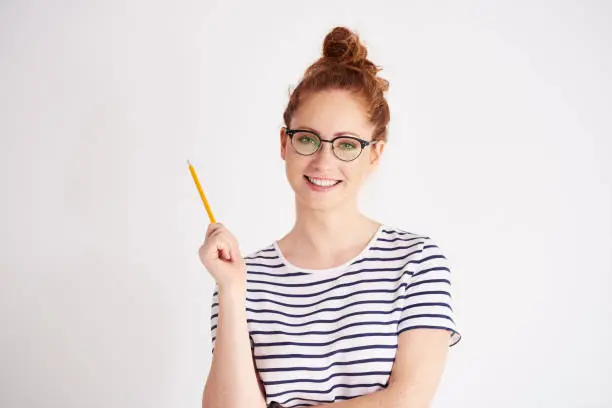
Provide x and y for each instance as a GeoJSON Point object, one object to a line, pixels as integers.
{"type": "Point", "coordinates": [345, 265]}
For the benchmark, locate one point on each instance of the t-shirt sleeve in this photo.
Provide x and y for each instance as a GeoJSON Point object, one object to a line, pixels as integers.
{"type": "Point", "coordinates": [214, 320]}
{"type": "Point", "coordinates": [214, 316]}
{"type": "Point", "coordinates": [427, 299]}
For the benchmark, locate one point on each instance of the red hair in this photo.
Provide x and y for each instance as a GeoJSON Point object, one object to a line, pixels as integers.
{"type": "Point", "coordinates": [344, 65]}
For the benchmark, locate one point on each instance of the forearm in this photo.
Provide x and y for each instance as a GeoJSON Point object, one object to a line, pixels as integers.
{"type": "Point", "coordinates": [387, 397]}
{"type": "Point", "coordinates": [232, 382]}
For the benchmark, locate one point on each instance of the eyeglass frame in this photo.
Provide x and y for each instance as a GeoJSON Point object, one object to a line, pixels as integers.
{"type": "Point", "coordinates": [363, 143]}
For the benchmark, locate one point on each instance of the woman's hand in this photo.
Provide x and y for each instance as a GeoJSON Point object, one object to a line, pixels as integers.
{"type": "Point", "coordinates": [221, 257]}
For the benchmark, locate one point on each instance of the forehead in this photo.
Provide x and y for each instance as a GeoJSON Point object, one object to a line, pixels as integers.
{"type": "Point", "coordinates": [333, 111]}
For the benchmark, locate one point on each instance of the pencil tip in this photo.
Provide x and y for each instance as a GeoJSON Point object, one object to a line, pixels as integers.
{"type": "Point", "coordinates": [188, 162]}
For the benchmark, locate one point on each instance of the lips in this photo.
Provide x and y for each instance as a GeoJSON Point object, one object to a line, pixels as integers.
{"type": "Point", "coordinates": [322, 182]}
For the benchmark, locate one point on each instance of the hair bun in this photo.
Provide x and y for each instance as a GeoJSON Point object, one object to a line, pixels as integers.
{"type": "Point", "coordinates": [343, 45]}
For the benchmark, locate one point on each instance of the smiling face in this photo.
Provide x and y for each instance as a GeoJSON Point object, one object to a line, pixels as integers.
{"type": "Point", "coordinates": [321, 181]}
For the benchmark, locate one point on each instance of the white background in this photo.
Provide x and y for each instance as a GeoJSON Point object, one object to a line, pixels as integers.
{"type": "Point", "coordinates": [499, 149]}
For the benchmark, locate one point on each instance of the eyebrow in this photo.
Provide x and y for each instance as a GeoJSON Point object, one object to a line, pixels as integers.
{"type": "Point", "coordinates": [344, 133]}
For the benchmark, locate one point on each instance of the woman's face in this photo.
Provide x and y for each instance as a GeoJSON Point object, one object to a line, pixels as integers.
{"type": "Point", "coordinates": [329, 114]}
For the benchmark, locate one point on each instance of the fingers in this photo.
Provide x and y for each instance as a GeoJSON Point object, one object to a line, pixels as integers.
{"type": "Point", "coordinates": [220, 243]}
{"type": "Point", "coordinates": [213, 227]}
{"type": "Point", "coordinates": [225, 253]}
{"type": "Point", "coordinates": [219, 229]}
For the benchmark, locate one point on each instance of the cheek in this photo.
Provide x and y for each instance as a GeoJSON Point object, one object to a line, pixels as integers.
{"type": "Point", "coordinates": [356, 173]}
{"type": "Point", "coordinates": [295, 164]}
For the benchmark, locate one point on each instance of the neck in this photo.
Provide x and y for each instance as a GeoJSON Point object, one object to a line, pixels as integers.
{"type": "Point", "coordinates": [325, 232]}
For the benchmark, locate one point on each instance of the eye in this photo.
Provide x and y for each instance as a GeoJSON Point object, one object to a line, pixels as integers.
{"type": "Point", "coordinates": [347, 144]}
{"type": "Point", "coordinates": [307, 139]}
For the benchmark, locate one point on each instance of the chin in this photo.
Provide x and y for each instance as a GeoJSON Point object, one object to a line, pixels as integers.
{"type": "Point", "coordinates": [320, 202]}
{"type": "Point", "coordinates": [319, 205]}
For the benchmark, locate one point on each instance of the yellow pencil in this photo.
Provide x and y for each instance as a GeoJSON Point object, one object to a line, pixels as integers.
{"type": "Point", "coordinates": [197, 183]}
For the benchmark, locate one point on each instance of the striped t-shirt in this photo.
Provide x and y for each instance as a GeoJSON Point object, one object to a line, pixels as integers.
{"type": "Point", "coordinates": [321, 336]}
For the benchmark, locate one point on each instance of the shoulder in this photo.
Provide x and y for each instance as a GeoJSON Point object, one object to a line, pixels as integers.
{"type": "Point", "coordinates": [266, 252]}
{"type": "Point", "coordinates": [402, 237]}
{"type": "Point", "coordinates": [415, 243]}
{"type": "Point", "coordinates": [264, 263]}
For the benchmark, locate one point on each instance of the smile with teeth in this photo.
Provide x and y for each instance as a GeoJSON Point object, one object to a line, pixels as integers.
{"type": "Point", "coordinates": [322, 182]}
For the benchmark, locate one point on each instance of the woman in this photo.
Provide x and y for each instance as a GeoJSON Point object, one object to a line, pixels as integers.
{"type": "Point", "coordinates": [343, 309]}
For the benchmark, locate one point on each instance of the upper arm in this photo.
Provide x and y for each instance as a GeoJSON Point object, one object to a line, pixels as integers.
{"type": "Point", "coordinates": [426, 327]}
{"type": "Point", "coordinates": [419, 364]}
{"type": "Point", "coordinates": [427, 299]}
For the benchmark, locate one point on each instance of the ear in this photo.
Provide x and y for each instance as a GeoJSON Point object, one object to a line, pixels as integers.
{"type": "Point", "coordinates": [283, 142]}
{"type": "Point", "coordinates": [376, 152]}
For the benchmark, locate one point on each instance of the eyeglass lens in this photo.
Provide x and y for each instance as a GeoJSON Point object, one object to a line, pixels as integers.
{"type": "Point", "coordinates": [344, 148]}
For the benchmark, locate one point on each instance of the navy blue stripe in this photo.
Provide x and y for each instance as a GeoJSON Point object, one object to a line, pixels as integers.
{"type": "Point", "coordinates": [322, 380]}
{"type": "Point", "coordinates": [436, 268]}
{"type": "Point", "coordinates": [400, 232]}
{"type": "Point", "coordinates": [345, 350]}
{"type": "Point", "coordinates": [429, 292]}
{"type": "Point", "coordinates": [269, 248]}
{"type": "Point", "coordinates": [426, 327]}
{"type": "Point", "coordinates": [284, 323]}
{"type": "Point", "coordinates": [327, 367]}
{"type": "Point", "coordinates": [399, 258]}
{"type": "Point", "coordinates": [432, 315]}
{"type": "Point", "coordinates": [393, 248]}
{"type": "Point", "coordinates": [261, 257]}
{"type": "Point", "coordinates": [351, 294]}
{"type": "Point", "coordinates": [335, 309]}
{"type": "Point", "coordinates": [413, 284]}
{"type": "Point", "coordinates": [315, 283]}
{"type": "Point", "coordinates": [424, 304]}
{"type": "Point", "coordinates": [332, 309]}
{"type": "Point", "coordinates": [313, 332]}
{"type": "Point", "coordinates": [418, 261]}
{"type": "Point", "coordinates": [330, 389]}
{"type": "Point", "coordinates": [308, 295]}
{"type": "Point", "coordinates": [430, 257]}
{"type": "Point", "coordinates": [275, 275]}
{"type": "Point", "coordinates": [398, 239]}
{"type": "Point", "coordinates": [401, 321]}
{"type": "Point", "coordinates": [323, 300]}
{"type": "Point", "coordinates": [354, 336]}
{"type": "Point", "coordinates": [320, 282]}
{"type": "Point", "coordinates": [267, 266]}
{"type": "Point", "coordinates": [347, 337]}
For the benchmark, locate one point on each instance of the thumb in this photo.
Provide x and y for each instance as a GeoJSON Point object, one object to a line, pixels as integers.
{"type": "Point", "coordinates": [225, 253]}
{"type": "Point", "coordinates": [226, 250]}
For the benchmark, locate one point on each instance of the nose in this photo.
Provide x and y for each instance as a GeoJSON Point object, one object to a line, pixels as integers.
{"type": "Point", "coordinates": [328, 147]}
{"type": "Point", "coordinates": [325, 152]}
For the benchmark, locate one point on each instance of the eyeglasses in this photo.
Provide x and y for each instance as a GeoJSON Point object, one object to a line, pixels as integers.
{"type": "Point", "coordinates": [345, 148]}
